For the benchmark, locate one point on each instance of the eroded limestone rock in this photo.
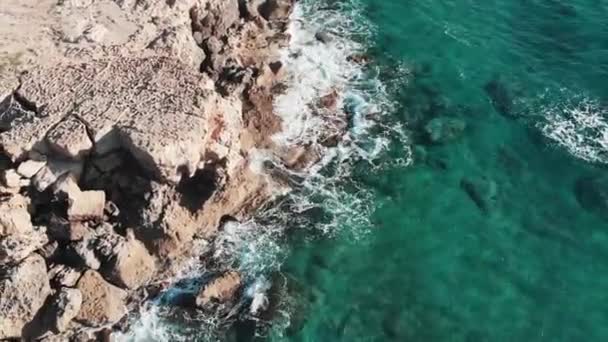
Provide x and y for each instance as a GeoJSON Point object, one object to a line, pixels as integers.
{"type": "Point", "coordinates": [219, 290]}
{"type": "Point", "coordinates": [102, 302]}
{"type": "Point", "coordinates": [70, 139]}
{"type": "Point", "coordinates": [132, 266]}
{"type": "Point", "coordinates": [64, 306]}
{"type": "Point", "coordinates": [23, 290]}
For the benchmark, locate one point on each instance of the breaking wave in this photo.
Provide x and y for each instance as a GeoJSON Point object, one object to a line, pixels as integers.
{"type": "Point", "coordinates": [580, 125]}
{"type": "Point", "coordinates": [322, 199]}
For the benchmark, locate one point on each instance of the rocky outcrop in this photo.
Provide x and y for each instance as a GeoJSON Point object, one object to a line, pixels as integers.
{"type": "Point", "coordinates": [134, 134]}
{"type": "Point", "coordinates": [23, 290]}
{"type": "Point", "coordinates": [220, 290]}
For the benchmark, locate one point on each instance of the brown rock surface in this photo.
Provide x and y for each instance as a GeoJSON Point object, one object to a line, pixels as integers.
{"type": "Point", "coordinates": [70, 139]}
{"type": "Point", "coordinates": [132, 266]}
{"type": "Point", "coordinates": [64, 306]}
{"type": "Point", "coordinates": [23, 290]}
{"type": "Point", "coordinates": [102, 302]}
{"type": "Point", "coordinates": [219, 290]}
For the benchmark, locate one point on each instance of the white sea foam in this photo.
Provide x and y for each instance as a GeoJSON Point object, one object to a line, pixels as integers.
{"type": "Point", "coordinates": [580, 126]}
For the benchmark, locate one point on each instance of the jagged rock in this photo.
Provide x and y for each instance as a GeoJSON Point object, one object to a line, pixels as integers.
{"type": "Point", "coordinates": [132, 266]}
{"type": "Point", "coordinates": [481, 190]}
{"type": "Point", "coordinates": [70, 139]}
{"type": "Point", "coordinates": [53, 170]}
{"type": "Point", "coordinates": [167, 225]}
{"type": "Point", "coordinates": [11, 179]}
{"type": "Point", "coordinates": [275, 9]}
{"type": "Point", "coordinates": [14, 216]}
{"type": "Point", "coordinates": [442, 130]}
{"type": "Point", "coordinates": [23, 290]}
{"type": "Point", "coordinates": [64, 306]}
{"type": "Point", "coordinates": [64, 230]}
{"type": "Point", "coordinates": [102, 302]}
{"type": "Point", "coordinates": [179, 42]}
{"type": "Point", "coordinates": [62, 275]}
{"type": "Point", "coordinates": [220, 290]}
{"type": "Point", "coordinates": [323, 37]}
{"type": "Point", "coordinates": [14, 248]}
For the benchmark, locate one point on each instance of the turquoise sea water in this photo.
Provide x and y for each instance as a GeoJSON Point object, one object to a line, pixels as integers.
{"type": "Point", "coordinates": [498, 231]}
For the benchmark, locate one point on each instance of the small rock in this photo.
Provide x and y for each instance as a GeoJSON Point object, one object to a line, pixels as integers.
{"type": "Point", "coordinates": [481, 190]}
{"type": "Point", "coordinates": [30, 168]}
{"type": "Point", "coordinates": [62, 275]}
{"type": "Point", "coordinates": [102, 302]}
{"type": "Point", "coordinates": [220, 290]}
{"type": "Point", "coordinates": [358, 59]}
{"type": "Point", "coordinates": [329, 101]}
{"type": "Point", "coordinates": [64, 307]}
{"type": "Point", "coordinates": [23, 290]}
{"type": "Point", "coordinates": [70, 138]}
{"type": "Point", "coordinates": [11, 179]}
{"type": "Point", "coordinates": [85, 251]}
{"type": "Point", "coordinates": [442, 130]}
{"type": "Point", "coordinates": [49, 251]}
{"type": "Point", "coordinates": [323, 37]}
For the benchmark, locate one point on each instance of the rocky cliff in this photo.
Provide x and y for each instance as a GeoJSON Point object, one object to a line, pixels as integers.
{"type": "Point", "coordinates": [127, 128]}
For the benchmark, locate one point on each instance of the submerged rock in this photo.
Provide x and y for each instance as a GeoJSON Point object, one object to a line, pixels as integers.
{"type": "Point", "coordinates": [500, 96]}
{"type": "Point", "coordinates": [481, 190]}
{"type": "Point", "coordinates": [23, 290]}
{"type": "Point", "coordinates": [592, 194]}
{"type": "Point", "coordinates": [443, 129]}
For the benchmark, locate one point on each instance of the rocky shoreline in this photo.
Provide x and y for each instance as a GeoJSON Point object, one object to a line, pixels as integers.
{"type": "Point", "coordinates": [129, 129]}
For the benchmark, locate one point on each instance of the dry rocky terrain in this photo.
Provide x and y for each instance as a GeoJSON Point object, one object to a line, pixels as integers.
{"type": "Point", "coordinates": [127, 129]}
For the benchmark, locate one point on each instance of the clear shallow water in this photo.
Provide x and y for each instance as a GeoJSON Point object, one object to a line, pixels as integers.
{"type": "Point", "coordinates": [523, 258]}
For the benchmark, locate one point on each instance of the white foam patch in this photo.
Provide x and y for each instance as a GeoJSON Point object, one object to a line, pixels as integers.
{"type": "Point", "coordinates": [581, 127]}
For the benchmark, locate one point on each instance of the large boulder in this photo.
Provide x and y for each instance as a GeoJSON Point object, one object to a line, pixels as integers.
{"type": "Point", "coordinates": [82, 205]}
{"type": "Point", "coordinates": [132, 266]}
{"type": "Point", "coordinates": [23, 290]}
{"type": "Point", "coordinates": [102, 302]}
{"type": "Point", "coordinates": [14, 216]}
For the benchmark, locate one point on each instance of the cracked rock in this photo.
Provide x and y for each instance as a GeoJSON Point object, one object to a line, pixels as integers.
{"type": "Point", "coordinates": [70, 139]}
{"type": "Point", "coordinates": [29, 168]}
{"type": "Point", "coordinates": [23, 290]}
{"type": "Point", "coordinates": [102, 302]}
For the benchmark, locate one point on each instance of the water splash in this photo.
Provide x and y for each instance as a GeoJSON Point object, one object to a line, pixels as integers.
{"type": "Point", "coordinates": [580, 125]}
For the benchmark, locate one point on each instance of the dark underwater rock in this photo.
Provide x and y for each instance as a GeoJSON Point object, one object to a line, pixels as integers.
{"type": "Point", "coordinates": [592, 194]}
{"type": "Point", "coordinates": [481, 190]}
{"type": "Point", "coordinates": [443, 129]}
{"type": "Point", "coordinates": [500, 96]}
